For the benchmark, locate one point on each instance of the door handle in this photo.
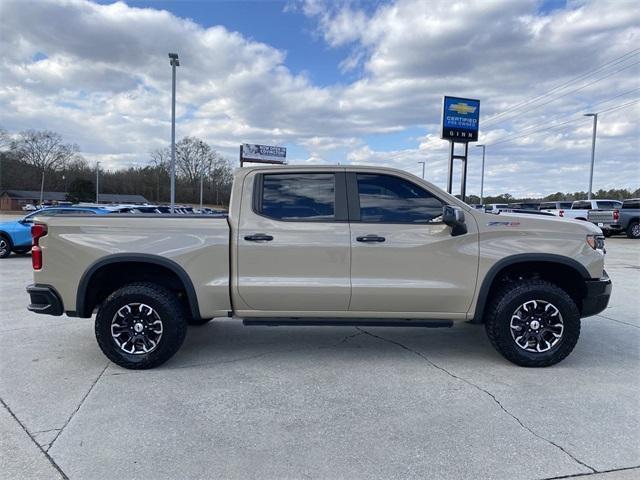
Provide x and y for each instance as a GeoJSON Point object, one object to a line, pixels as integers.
{"type": "Point", "coordinates": [258, 237]}
{"type": "Point", "coordinates": [370, 239]}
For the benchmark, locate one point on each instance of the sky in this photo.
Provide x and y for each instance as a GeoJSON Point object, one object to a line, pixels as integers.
{"type": "Point", "coordinates": [349, 82]}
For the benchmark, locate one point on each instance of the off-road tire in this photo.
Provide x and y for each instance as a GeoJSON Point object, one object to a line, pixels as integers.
{"type": "Point", "coordinates": [168, 307]}
{"type": "Point", "coordinates": [507, 300]}
{"type": "Point", "coordinates": [633, 230]}
{"type": "Point", "coordinates": [5, 251]}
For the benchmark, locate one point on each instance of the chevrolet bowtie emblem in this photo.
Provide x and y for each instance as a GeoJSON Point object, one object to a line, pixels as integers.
{"type": "Point", "coordinates": [462, 108]}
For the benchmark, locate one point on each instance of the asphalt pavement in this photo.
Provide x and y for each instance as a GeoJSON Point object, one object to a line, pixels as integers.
{"type": "Point", "coordinates": [320, 402]}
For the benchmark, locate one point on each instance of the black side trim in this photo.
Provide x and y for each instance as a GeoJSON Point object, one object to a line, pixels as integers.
{"type": "Point", "coordinates": [347, 322]}
{"type": "Point", "coordinates": [513, 260]}
{"type": "Point", "coordinates": [81, 309]}
{"type": "Point", "coordinates": [45, 300]}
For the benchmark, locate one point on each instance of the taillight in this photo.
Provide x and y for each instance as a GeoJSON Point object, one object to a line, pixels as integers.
{"type": "Point", "coordinates": [616, 214]}
{"type": "Point", "coordinates": [37, 232]}
{"type": "Point", "coordinates": [561, 213]}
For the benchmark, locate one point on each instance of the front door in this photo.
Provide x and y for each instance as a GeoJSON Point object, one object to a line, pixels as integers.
{"type": "Point", "coordinates": [293, 243]}
{"type": "Point", "coordinates": [403, 258]}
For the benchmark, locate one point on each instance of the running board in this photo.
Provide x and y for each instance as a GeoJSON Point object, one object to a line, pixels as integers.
{"type": "Point", "coordinates": [346, 322]}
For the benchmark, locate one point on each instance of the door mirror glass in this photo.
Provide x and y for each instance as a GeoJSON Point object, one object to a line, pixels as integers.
{"type": "Point", "coordinates": [454, 217]}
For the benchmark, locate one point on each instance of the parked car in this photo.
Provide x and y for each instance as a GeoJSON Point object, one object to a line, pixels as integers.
{"type": "Point", "coordinates": [630, 217]}
{"type": "Point", "coordinates": [15, 236]}
{"type": "Point", "coordinates": [525, 206]}
{"type": "Point", "coordinates": [626, 219]}
{"type": "Point", "coordinates": [580, 211]}
{"type": "Point", "coordinates": [556, 208]}
{"type": "Point", "coordinates": [495, 207]}
{"type": "Point", "coordinates": [323, 245]}
{"type": "Point", "coordinates": [580, 208]}
{"type": "Point", "coordinates": [29, 208]}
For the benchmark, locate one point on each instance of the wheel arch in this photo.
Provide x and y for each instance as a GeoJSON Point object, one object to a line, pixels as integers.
{"type": "Point", "coordinates": [141, 267]}
{"type": "Point", "coordinates": [572, 275]}
{"type": "Point", "coordinates": [7, 237]}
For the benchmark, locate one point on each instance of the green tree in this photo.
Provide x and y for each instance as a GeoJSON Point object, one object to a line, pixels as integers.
{"type": "Point", "coordinates": [81, 190]}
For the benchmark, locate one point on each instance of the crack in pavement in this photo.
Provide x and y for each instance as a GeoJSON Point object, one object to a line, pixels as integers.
{"type": "Point", "coordinates": [576, 475]}
{"type": "Point", "coordinates": [618, 321]}
{"type": "Point", "coordinates": [44, 452]}
{"type": "Point", "coordinates": [477, 387]}
{"type": "Point", "coordinates": [77, 408]}
{"type": "Point", "coordinates": [45, 431]}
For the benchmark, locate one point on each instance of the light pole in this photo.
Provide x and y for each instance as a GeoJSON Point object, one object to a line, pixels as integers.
{"type": "Point", "coordinates": [97, 181]}
{"type": "Point", "coordinates": [201, 180]}
{"type": "Point", "coordinates": [482, 175]}
{"type": "Point", "coordinates": [593, 150]}
{"type": "Point", "coordinates": [42, 188]}
{"type": "Point", "coordinates": [423, 166]}
{"type": "Point", "coordinates": [174, 62]}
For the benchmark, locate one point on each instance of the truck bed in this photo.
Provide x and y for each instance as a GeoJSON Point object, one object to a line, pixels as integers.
{"type": "Point", "coordinates": [198, 244]}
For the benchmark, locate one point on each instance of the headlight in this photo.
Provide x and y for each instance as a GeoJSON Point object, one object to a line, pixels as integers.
{"type": "Point", "coordinates": [596, 242]}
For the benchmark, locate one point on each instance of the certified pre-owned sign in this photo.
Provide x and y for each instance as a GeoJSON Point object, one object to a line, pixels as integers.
{"type": "Point", "coordinates": [460, 119]}
{"type": "Point", "coordinates": [252, 151]}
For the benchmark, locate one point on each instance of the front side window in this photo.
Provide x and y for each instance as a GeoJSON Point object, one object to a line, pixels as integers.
{"type": "Point", "coordinates": [581, 206]}
{"type": "Point", "coordinates": [298, 196]}
{"type": "Point", "coordinates": [389, 199]}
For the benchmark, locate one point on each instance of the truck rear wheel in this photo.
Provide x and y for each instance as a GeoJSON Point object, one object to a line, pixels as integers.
{"type": "Point", "coordinates": [633, 230]}
{"type": "Point", "coordinates": [140, 326]}
{"type": "Point", "coordinates": [533, 323]}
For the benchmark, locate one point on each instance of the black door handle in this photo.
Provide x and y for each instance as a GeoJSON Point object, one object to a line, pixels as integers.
{"type": "Point", "coordinates": [258, 237]}
{"type": "Point", "coordinates": [370, 238]}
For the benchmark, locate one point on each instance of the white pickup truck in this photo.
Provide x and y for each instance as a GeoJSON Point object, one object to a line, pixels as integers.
{"type": "Point", "coordinates": [586, 210]}
{"type": "Point", "coordinates": [323, 245]}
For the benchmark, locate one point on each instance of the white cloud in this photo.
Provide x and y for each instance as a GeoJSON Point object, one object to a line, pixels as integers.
{"type": "Point", "coordinates": [103, 81]}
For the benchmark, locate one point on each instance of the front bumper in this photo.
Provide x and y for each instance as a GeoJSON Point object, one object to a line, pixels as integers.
{"type": "Point", "coordinates": [597, 296]}
{"type": "Point", "coordinates": [45, 300]}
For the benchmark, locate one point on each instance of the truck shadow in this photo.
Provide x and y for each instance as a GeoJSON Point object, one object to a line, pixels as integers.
{"type": "Point", "coordinates": [228, 341]}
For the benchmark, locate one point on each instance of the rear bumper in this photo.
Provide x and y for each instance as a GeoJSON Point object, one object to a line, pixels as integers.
{"type": "Point", "coordinates": [45, 300]}
{"type": "Point", "coordinates": [597, 296]}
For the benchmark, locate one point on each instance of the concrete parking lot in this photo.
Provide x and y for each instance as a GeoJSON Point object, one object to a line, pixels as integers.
{"type": "Point", "coordinates": [312, 402]}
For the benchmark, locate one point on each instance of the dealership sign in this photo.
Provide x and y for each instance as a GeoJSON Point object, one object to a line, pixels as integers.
{"type": "Point", "coordinates": [460, 119]}
{"type": "Point", "coordinates": [267, 153]}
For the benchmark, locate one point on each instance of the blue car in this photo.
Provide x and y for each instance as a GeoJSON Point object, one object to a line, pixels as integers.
{"type": "Point", "coordinates": [15, 236]}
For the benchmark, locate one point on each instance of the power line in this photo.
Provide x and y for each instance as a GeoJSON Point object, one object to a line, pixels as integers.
{"type": "Point", "coordinates": [526, 129]}
{"type": "Point", "coordinates": [607, 110]}
{"type": "Point", "coordinates": [615, 61]}
{"type": "Point", "coordinates": [553, 99]}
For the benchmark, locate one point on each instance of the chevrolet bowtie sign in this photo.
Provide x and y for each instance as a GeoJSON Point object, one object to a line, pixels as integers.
{"type": "Point", "coordinates": [460, 119]}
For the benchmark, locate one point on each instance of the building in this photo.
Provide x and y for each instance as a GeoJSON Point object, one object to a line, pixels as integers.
{"type": "Point", "coordinates": [16, 199]}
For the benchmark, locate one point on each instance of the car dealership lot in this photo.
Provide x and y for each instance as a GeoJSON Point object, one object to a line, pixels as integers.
{"type": "Point", "coordinates": [297, 402]}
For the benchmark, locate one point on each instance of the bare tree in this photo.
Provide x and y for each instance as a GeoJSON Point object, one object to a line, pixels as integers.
{"type": "Point", "coordinates": [44, 149]}
{"type": "Point", "coordinates": [5, 139]}
{"type": "Point", "coordinates": [194, 158]}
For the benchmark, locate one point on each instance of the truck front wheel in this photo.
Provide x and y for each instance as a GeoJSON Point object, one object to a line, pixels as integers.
{"type": "Point", "coordinates": [533, 323]}
{"type": "Point", "coordinates": [140, 326]}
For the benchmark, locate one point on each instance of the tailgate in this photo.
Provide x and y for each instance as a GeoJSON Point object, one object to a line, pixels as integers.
{"type": "Point", "coordinates": [604, 217]}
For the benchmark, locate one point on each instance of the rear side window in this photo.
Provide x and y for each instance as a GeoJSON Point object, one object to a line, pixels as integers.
{"type": "Point", "coordinates": [608, 205]}
{"type": "Point", "coordinates": [548, 206]}
{"type": "Point", "coordinates": [298, 196]}
{"type": "Point", "coordinates": [389, 199]}
{"type": "Point", "coordinates": [581, 206]}
{"type": "Point", "coordinates": [76, 212]}
{"type": "Point", "coordinates": [631, 204]}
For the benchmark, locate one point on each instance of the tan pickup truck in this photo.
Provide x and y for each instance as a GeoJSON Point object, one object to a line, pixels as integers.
{"type": "Point", "coordinates": [323, 245]}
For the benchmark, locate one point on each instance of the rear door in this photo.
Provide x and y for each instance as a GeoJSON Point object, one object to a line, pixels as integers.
{"type": "Point", "coordinates": [293, 244]}
{"type": "Point", "coordinates": [403, 258]}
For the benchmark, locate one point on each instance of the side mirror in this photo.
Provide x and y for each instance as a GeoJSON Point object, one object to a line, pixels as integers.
{"type": "Point", "coordinates": [454, 217]}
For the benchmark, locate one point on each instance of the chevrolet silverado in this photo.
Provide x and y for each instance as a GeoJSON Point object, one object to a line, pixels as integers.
{"type": "Point", "coordinates": [322, 245]}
